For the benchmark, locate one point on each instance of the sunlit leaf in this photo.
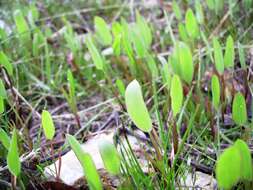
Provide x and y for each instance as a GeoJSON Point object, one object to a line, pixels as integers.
{"type": "Point", "coordinates": [176, 94]}
{"type": "Point", "coordinates": [239, 112]}
{"type": "Point", "coordinates": [96, 57]}
{"type": "Point", "coordinates": [229, 53]}
{"type": "Point", "coordinates": [215, 91]}
{"type": "Point", "coordinates": [6, 64]}
{"type": "Point", "coordinates": [136, 107]}
{"type": "Point", "coordinates": [186, 63]}
{"type": "Point", "coordinates": [228, 168]}
{"type": "Point", "coordinates": [166, 75]}
{"type": "Point", "coordinates": [13, 161]}
{"type": "Point", "coordinates": [87, 164]}
{"type": "Point", "coordinates": [246, 161]}
{"type": "Point", "coordinates": [48, 125]}
{"type": "Point", "coordinates": [176, 10]}
{"type": "Point", "coordinates": [4, 139]}
{"type": "Point", "coordinates": [22, 26]}
{"type": "Point", "coordinates": [218, 56]}
{"type": "Point", "coordinates": [191, 24]}
{"type": "Point", "coordinates": [110, 157]}
{"type": "Point", "coordinates": [102, 30]}
{"type": "Point", "coordinates": [71, 81]}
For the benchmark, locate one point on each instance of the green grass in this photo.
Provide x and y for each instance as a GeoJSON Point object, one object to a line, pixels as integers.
{"type": "Point", "coordinates": [81, 61]}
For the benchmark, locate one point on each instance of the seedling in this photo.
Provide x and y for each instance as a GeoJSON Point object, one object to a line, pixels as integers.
{"type": "Point", "coordinates": [191, 24]}
{"type": "Point", "coordinates": [48, 125]}
{"type": "Point", "coordinates": [239, 111]}
{"type": "Point", "coordinates": [136, 107]}
{"type": "Point", "coordinates": [230, 171]}
{"type": "Point", "coordinates": [229, 53]}
{"type": "Point", "coordinates": [102, 31]}
{"type": "Point", "coordinates": [87, 164]}
{"type": "Point", "coordinates": [110, 157]}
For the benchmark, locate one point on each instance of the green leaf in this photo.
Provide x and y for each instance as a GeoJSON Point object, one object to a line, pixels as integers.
{"type": "Point", "coordinates": [166, 75]}
{"type": "Point", "coordinates": [110, 157]}
{"type": "Point", "coordinates": [229, 53]}
{"type": "Point", "coordinates": [239, 112]}
{"type": "Point", "coordinates": [191, 24]}
{"type": "Point", "coordinates": [22, 26]}
{"type": "Point", "coordinates": [4, 139]}
{"type": "Point", "coordinates": [228, 168]}
{"type": "Point", "coordinates": [6, 64]}
{"type": "Point", "coordinates": [144, 30]}
{"type": "Point", "coordinates": [199, 12]}
{"type": "Point", "coordinates": [218, 56]}
{"type": "Point", "coordinates": [97, 59]}
{"type": "Point", "coordinates": [182, 32]}
{"type": "Point", "coordinates": [1, 105]}
{"type": "Point", "coordinates": [176, 94]}
{"type": "Point", "coordinates": [13, 161]}
{"type": "Point", "coordinates": [3, 93]}
{"type": "Point", "coordinates": [246, 161]}
{"type": "Point", "coordinates": [210, 4]}
{"type": "Point", "coordinates": [186, 63]}
{"type": "Point", "coordinates": [72, 85]}
{"type": "Point", "coordinates": [215, 91]}
{"type": "Point", "coordinates": [48, 125]}
{"type": "Point", "coordinates": [247, 4]}
{"type": "Point", "coordinates": [138, 42]}
{"type": "Point", "coordinates": [87, 164]}
{"type": "Point", "coordinates": [102, 31]}
{"type": "Point", "coordinates": [136, 107]}
{"type": "Point", "coordinates": [241, 56]}
{"type": "Point", "coordinates": [121, 87]}
{"type": "Point", "coordinates": [176, 10]}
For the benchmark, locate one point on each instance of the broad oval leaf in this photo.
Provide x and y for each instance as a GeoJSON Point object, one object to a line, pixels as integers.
{"type": "Point", "coordinates": [6, 64]}
{"type": "Point", "coordinates": [48, 125]}
{"type": "Point", "coordinates": [246, 161]}
{"type": "Point", "coordinates": [4, 139]}
{"type": "Point", "coordinates": [102, 30]}
{"type": "Point", "coordinates": [96, 57]}
{"type": "Point", "coordinates": [186, 63]}
{"type": "Point", "coordinates": [87, 164]}
{"type": "Point", "coordinates": [229, 53]}
{"type": "Point", "coordinates": [176, 94]}
{"type": "Point", "coordinates": [136, 107]}
{"type": "Point", "coordinates": [239, 111]}
{"type": "Point", "coordinates": [218, 56]}
{"type": "Point", "coordinates": [191, 24]}
{"type": "Point", "coordinates": [228, 168]}
{"type": "Point", "coordinates": [110, 157]}
{"type": "Point", "coordinates": [13, 161]}
{"type": "Point", "coordinates": [215, 91]}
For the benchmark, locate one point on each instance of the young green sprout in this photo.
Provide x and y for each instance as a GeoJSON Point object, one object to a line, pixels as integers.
{"type": "Point", "coordinates": [48, 125]}
{"type": "Point", "coordinates": [215, 92]}
{"type": "Point", "coordinates": [239, 111]}
{"type": "Point", "coordinates": [176, 94]}
{"type": "Point", "coordinates": [191, 24]}
{"type": "Point", "coordinates": [102, 31]}
{"type": "Point", "coordinates": [110, 157]}
{"type": "Point", "coordinates": [229, 53]}
{"type": "Point", "coordinates": [234, 165]}
{"type": "Point", "coordinates": [136, 107]}
{"type": "Point", "coordinates": [4, 139]}
{"type": "Point", "coordinates": [13, 161]}
{"type": "Point", "coordinates": [4, 61]}
{"type": "Point", "coordinates": [87, 164]}
{"type": "Point", "coordinates": [218, 56]}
